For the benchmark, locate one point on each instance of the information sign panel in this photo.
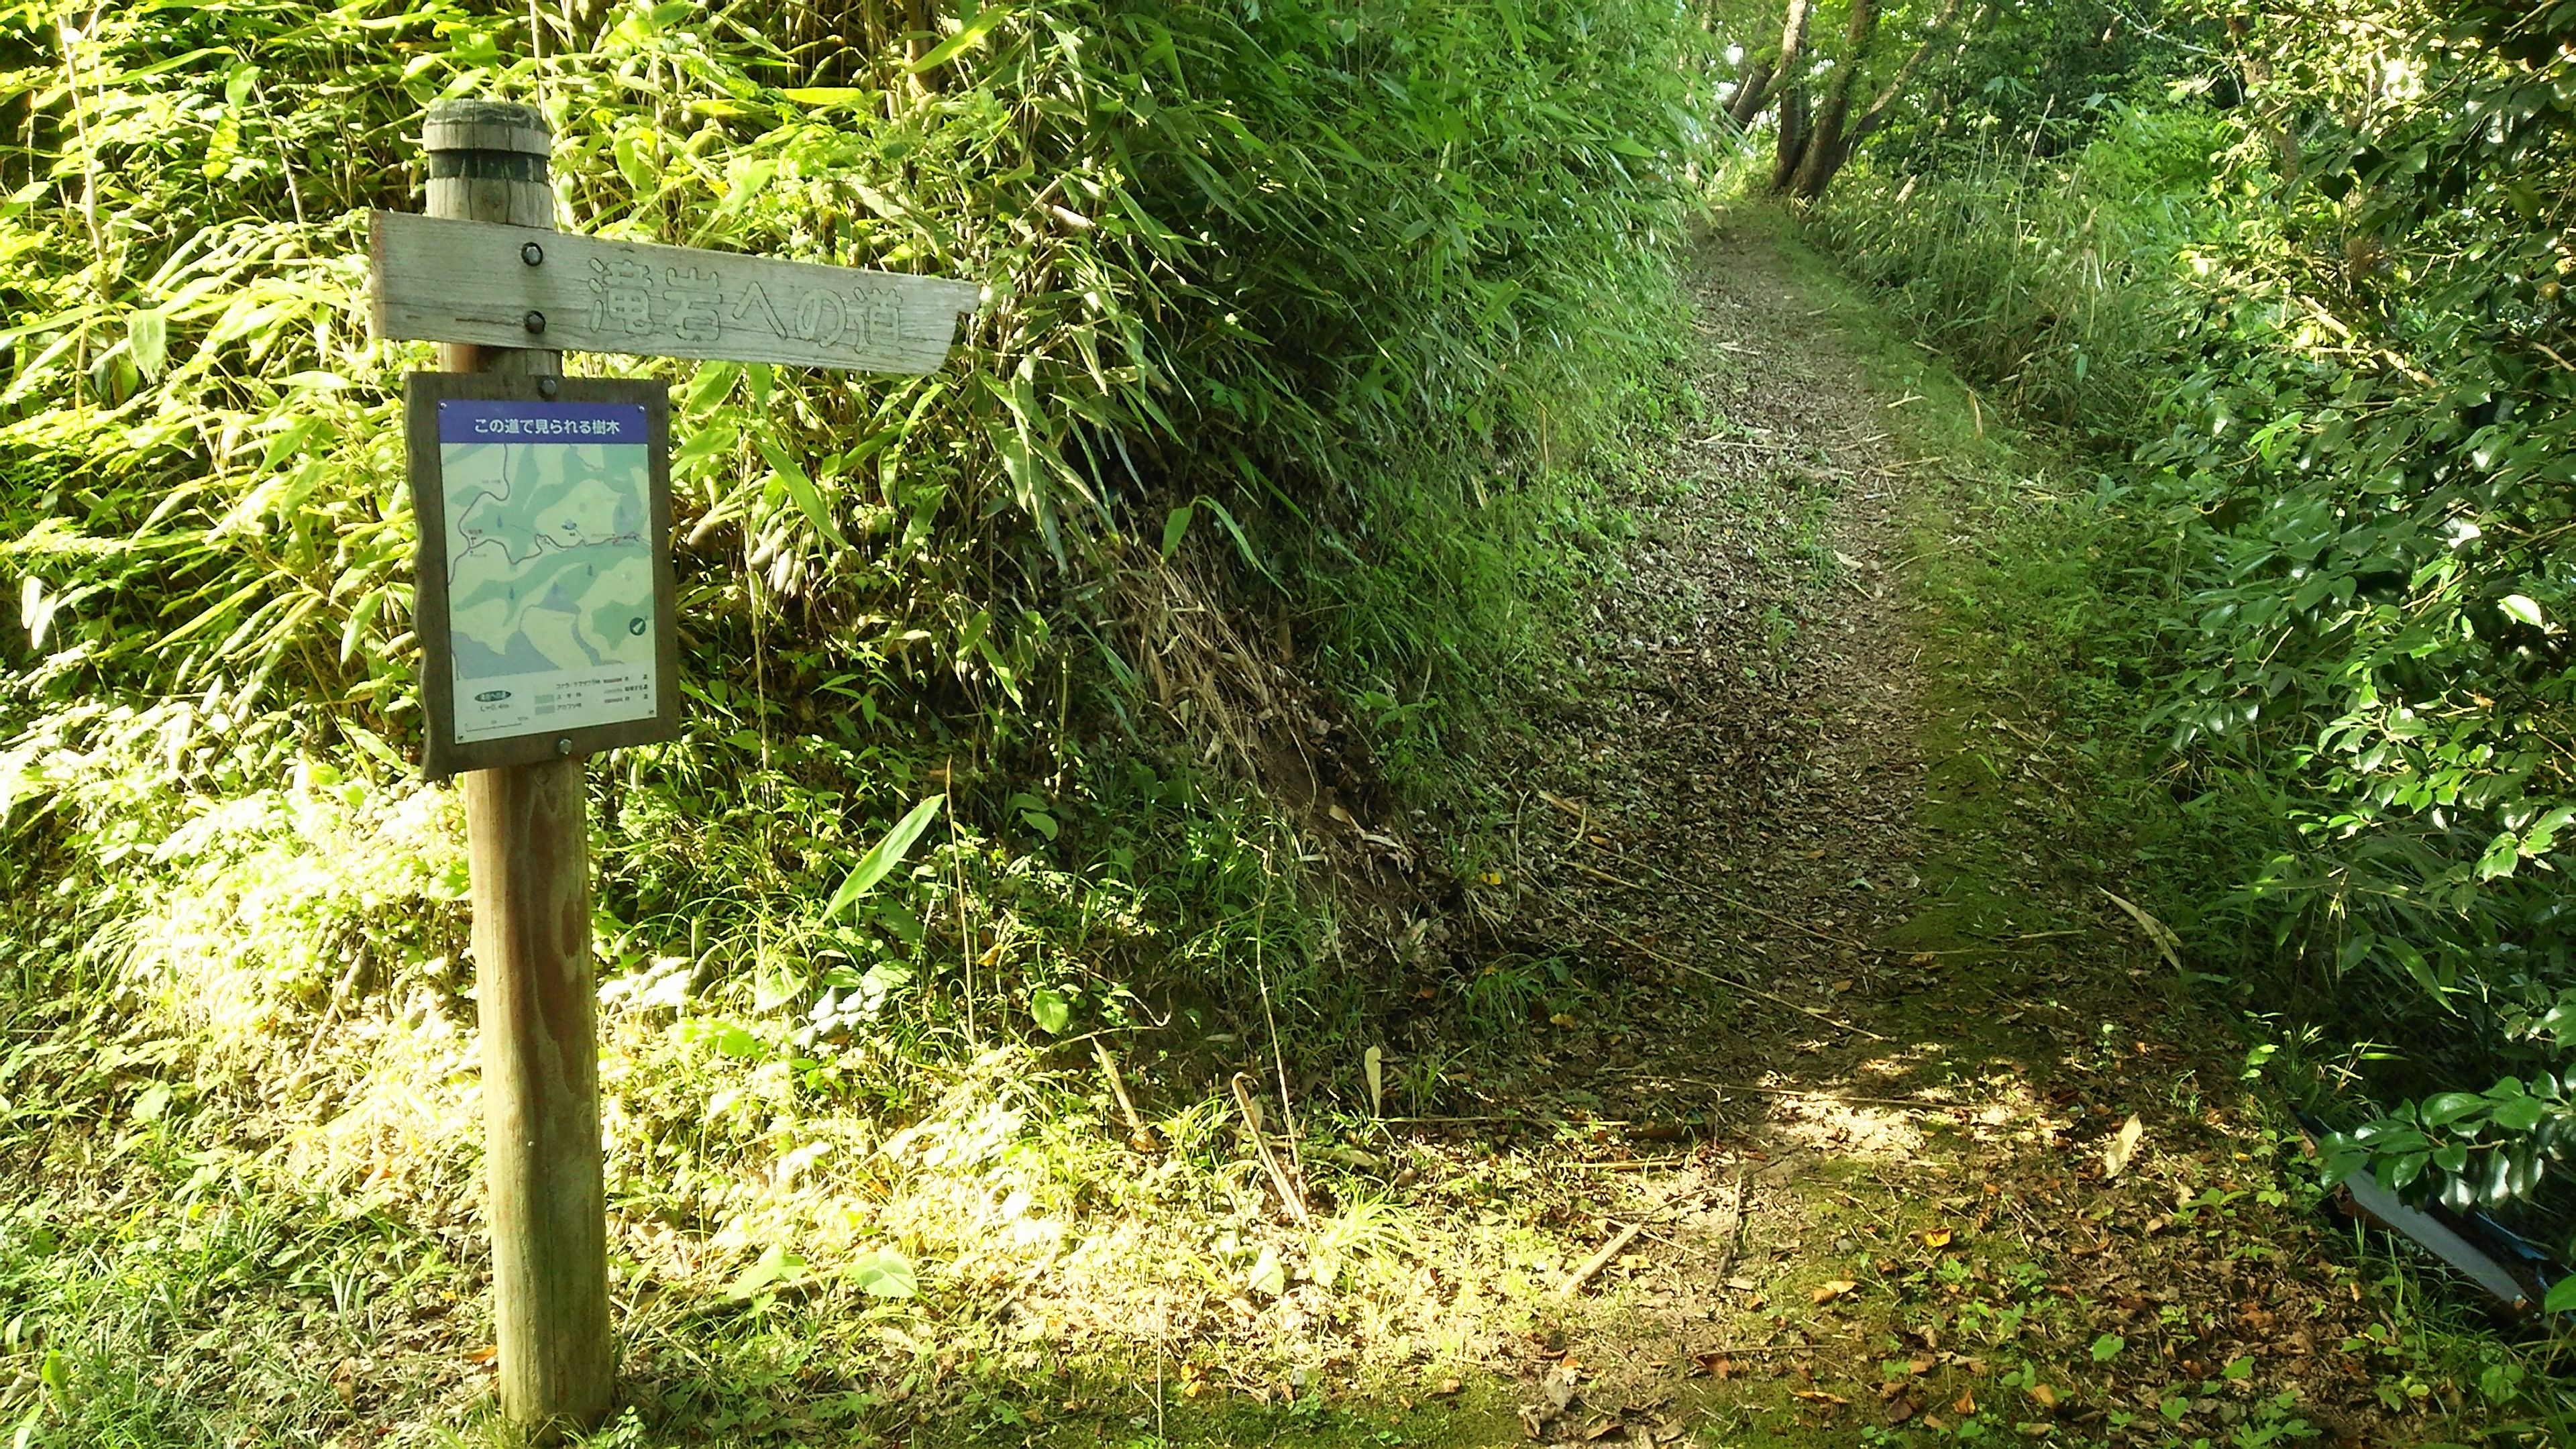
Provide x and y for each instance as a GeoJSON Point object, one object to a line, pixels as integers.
{"type": "Point", "coordinates": [545, 609]}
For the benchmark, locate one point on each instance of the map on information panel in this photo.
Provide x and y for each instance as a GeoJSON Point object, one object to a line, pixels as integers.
{"type": "Point", "coordinates": [550, 568]}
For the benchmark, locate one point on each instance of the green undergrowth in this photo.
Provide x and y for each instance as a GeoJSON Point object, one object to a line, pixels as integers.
{"type": "Point", "coordinates": [2317, 380]}
{"type": "Point", "coordinates": [2048, 579]}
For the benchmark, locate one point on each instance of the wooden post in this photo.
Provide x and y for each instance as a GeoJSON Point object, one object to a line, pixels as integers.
{"type": "Point", "coordinates": [529, 850]}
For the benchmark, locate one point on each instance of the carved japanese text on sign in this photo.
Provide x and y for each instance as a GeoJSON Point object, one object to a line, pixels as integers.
{"type": "Point", "coordinates": [636, 300]}
{"type": "Point", "coordinates": [502, 286]}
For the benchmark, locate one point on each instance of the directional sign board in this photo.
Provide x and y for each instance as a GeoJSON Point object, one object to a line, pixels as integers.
{"type": "Point", "coordinates": [513, 286]}
{"type": "Point", "coordinates": [545, 606]}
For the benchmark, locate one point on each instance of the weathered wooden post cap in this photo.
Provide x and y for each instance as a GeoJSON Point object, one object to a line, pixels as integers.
{"type": "Point", "coordinates": [502, 126]}
{"type": "Point", "coordinates": [487, 162]}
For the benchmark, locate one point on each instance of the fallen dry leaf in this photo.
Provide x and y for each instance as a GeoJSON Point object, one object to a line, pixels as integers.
{"type": "Point", "coordinates": [2161, 936]}
{"type": "Point", "coordinates": [485, 1354]}
{"type": "Point", "coordinates": [2116, 1157]}
{"type": "Point", "coordinates": [1818, 1396]}
{"type": "Point", "coordinates": [1827, 1293]}
{"type": "Point", "coordinates": [1966, 1403]}
{"type": "Point", "coordinates": [2046, 1396]}
{"type": "Point", "coordinates": [1937, 1238]}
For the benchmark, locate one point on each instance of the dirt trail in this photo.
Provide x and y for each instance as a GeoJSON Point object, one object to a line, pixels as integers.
{"type": "Point", "coordinates": [1866, 1077]}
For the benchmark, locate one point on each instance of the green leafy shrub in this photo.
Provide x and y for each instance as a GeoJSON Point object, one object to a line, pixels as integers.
{"type": "Point", "coordinates": [2321, 307]}
{"type": "Point", "coordinates": [1336, 289]}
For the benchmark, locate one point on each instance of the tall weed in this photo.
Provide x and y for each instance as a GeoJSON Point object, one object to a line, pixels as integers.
{"type": "Point", "coordinates": [2335, 359]}
{"type": "Point", "coordinates": [2050, 282]}
{"type": "Point", "coordinates": [1336, 282]}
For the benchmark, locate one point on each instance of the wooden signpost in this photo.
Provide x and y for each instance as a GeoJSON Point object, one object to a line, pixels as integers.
{"type": "Point", "coordinates": [535, 522]}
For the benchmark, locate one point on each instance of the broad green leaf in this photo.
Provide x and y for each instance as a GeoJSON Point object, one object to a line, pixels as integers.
{"type": "Point", "coordinates": [2519, 1114]}
{"type": "Point", "coordinates": [2446, 1107]}
{"type": "Point", "coordinates": [154, 1101]}
{"type": "Point", "coordinates": [2562, 1296]}
{"type": "Point", "coordinates": [1175, 525]}
{"type": "Point", "coordinates": [1269, 1276]}
{"type": "Point", "coordinates": [809, 500]}
{"type": "Point", "coordinates": [2521, 606]}
{"type": "Point", "coordinates": [2502, 854]}
{"type": "Point", "coordinates": [967, 34]}
{"type": "Point", "coordinates": [775, 1265]}
{"type": "Point", "coordinates": [1051, 1009]}
{"type": "Point", "coordinates": [147, 339]}
{"type": "Point", "coordinates": [884, 1273]}
{"type": "Point", "coordinates": [883, 857]}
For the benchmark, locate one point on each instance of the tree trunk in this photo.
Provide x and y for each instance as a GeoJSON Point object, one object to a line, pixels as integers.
{"type": "Point", "coordinates": [1830, 143]}
{"type": "Point", "coordinates": [1793, 135]}
{"type": "Point", "coordinates": [1876, 116]}
{"type": "Point", "coordinates": [1793, 40]}
{"type": "Point", "coordinates": [1750, 95]}
{"type": "Point", "coordinates": [1768, 79]}
{"type": "Point", "coordinates": [1826, 147]}
{"type": "Point", "coordinates": [1819, 142]}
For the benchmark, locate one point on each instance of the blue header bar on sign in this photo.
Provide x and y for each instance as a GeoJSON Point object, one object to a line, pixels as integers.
{"type": "Point", "coordinates": [474, 420]}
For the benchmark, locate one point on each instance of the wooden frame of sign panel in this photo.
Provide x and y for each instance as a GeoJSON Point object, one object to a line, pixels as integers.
{"type": "Point", "coordinates": [443, 754]}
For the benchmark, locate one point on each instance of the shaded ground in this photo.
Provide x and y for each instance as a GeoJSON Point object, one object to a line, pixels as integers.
{"type": "Point", "coordinates": [1852, 1108]}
